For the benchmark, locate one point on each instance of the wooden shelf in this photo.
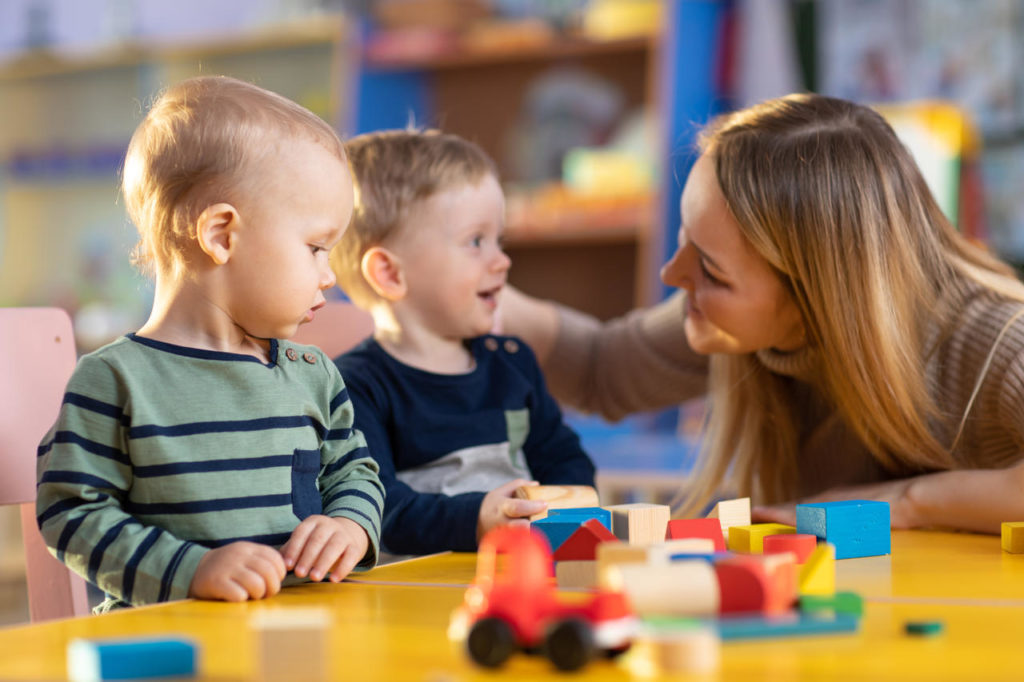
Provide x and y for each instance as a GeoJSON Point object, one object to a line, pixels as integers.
{"type": "Point", "coordinates": [558, 48]}
{"type": "Point", "coordinates": [43, 63]}
{"type": "Point", "coordinates": [525, 236]}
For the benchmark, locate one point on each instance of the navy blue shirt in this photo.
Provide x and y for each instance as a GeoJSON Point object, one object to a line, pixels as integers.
{"type": "Point", "coordinates": [444, 440]}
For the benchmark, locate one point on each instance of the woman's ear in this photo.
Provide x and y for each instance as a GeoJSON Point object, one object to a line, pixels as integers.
{"type": "Point", "coordinates": [382, 270]}
{"type": "Point", "coordinates": [215, 231]}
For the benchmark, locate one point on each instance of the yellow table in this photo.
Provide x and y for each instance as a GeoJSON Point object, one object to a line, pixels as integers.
{"type": "Point", "coordinates": [390, 624]}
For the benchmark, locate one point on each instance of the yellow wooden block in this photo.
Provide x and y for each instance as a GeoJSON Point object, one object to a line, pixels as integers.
{"type": "Point", "coordinates": [750, 539]}
{"type": "Point", "coordinates": [818, 574]}
{"type": "Point", "coordinates": [1013, 537]}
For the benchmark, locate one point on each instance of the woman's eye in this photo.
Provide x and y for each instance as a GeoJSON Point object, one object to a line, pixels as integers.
{"type": "Point", "coordinates": [707, 274]}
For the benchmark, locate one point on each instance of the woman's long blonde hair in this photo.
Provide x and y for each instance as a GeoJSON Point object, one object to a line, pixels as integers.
{"type": "Point", "coordinates": [828, 195]}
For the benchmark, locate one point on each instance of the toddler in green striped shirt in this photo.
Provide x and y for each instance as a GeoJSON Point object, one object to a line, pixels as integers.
{"type": "Point", "coordinates": [205, 455]}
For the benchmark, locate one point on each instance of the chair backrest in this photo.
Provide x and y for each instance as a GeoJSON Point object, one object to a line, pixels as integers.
{"type": "Point", "coordinates": [337, 327]}
{"type": "Point", "coordinates": [37, 356]}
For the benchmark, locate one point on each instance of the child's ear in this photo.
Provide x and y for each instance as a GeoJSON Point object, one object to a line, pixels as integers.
{"type": "Point", "coordinates": [215, 231]}
{"type": "Point", "coordinates": [382, 270]}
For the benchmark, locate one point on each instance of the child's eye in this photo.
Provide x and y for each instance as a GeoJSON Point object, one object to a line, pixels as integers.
{"type": "Point", "coordinates": [315, 249]}
{"type": "Point", "coordinates": [708, 276]}
{"type": "Point", "coordinates": [477, 241]}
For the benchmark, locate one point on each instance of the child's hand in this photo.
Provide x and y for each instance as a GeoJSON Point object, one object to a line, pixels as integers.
{"type": "Point", "coordinates": [501, 506]}
{"type": "Point", "coordinates": [239, 571]}
{"type": "Point", "coordinates": [325, 544]}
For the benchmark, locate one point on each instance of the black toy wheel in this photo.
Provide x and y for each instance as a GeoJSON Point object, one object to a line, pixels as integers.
{"type": "Point", "coordinates": [490, 642]}
{"type": "Point", "coordinates": [569, 644]}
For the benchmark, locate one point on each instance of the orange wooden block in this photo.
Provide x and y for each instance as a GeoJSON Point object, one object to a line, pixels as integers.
{"type": "Point", "coordinates": [757, 583]}
{"type": "Point", "coordinates": [800, 544]}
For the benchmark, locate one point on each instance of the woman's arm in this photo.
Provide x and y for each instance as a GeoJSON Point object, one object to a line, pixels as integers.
{"type": "Point", "coordinates": [634, 363]}
{"type": "Point", "coordinates": [966, 499]}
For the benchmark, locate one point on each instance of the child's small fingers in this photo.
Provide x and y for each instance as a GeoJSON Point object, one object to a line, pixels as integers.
{"type": "Point", "coordinates": [345, 564]}
{"type": "Point", "coordinates": [514, 508]}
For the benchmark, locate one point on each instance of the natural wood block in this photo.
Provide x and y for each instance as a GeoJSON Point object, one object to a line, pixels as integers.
{"type": "Point", "coordinates": [291, 644]}
{"type": "Point", "coordinates": [675, 650]}
{"type": "Point", "coordinates": [576, 574]}
{"type": "Point", "coordinates": [732, 513]}
{"type": "Point", "coordinates": [640, 524]}
{"type": "Point", "coordinates": [680, 588]}
{"type": "Point", "coordinates": [614, 553]}
{"type": "Point", "coordinates": [1013, 537]}
{"type": "Point", "coordinates": [558, 496]}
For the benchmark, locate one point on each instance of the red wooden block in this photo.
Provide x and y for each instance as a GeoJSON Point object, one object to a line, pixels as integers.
{"type": "Point", "coordinates": [680, 529]}
{"type": "Point", "coordinates": [756, 583]}
{"type": "Point", "coordinates": [742, 585]}
{"type": "Point", "coordinates": [582, 544]}
{"type": "Point", "coordinates": [800, 544]}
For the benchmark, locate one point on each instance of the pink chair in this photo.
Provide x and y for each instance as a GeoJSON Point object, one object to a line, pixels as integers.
{"type": "Point", "coordinates": [337, 327]}
{"type": "Point", "coordinates": [37, 356]}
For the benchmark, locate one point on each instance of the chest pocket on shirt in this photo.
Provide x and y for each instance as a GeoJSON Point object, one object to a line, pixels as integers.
{"type": "Point", "coordinates": [306, 499]}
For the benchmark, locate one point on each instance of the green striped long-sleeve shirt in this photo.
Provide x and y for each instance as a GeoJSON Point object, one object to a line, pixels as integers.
{"type": "Point", "coordinates": [161, 452]}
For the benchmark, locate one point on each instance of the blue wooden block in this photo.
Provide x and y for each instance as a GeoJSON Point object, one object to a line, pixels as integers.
{"type": "Point", "coordinates": [130, 659]}
{"type": "Point", "coordinates": [785, 625]}
{"type": "Point", "coordinates": [857, 528]}
{"type": "Point", "coordinates": [585, 513]}
{"type": "Point", "coordinates": [557, 530]}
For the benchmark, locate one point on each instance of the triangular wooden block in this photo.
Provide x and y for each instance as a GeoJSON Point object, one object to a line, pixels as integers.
{"type": "Point", "coordinates": [582, 544]}
{"type": "Point", "coordinates": [818, 574]}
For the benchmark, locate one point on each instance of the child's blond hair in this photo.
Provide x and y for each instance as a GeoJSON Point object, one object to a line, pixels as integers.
{"type": "Point", "coordinates": [199, 145]}
{"type": "Point", "coordinates": [394, 170]}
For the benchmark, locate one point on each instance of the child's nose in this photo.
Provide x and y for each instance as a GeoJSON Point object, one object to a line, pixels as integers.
{"type": "Point", "coordinates": [501, 261]}
{"type": "Point", "coordinates": [327, 278]}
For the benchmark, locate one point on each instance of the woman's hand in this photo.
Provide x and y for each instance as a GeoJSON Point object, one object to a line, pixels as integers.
{"type": "Point", "coordinates": [902, 514]}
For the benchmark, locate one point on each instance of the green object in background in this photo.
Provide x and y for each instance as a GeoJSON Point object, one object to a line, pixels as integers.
{"type": "Point", "coordinates": [924, 628]}
{"type": "Point", "coordinates": [841, 602]}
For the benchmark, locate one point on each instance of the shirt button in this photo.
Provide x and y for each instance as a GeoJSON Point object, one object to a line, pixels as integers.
{"type": "Point", "coordinates": [291, 354]}
{"type": "Point", "coordinates": [491, 343]}
{"type": "Point", "coordinates": [511, 346]}
{"type": "Point", "coordinates": [309, 357]}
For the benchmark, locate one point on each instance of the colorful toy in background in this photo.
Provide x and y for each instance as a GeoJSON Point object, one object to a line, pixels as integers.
{"type": "Point", "coordinates": [686, 589]}
{"type": "Point", "coordinates": [136, 658]}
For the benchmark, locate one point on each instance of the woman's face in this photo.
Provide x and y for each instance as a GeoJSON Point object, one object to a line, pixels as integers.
{"type": "Point", "coordinates": [735, 301]}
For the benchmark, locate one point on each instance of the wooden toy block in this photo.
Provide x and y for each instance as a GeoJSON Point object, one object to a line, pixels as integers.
{"type": "Point", "coordinates": [583, 513]}
{"type": "Point", "coordinates": [731, 513]}
{"type": "Point", "coordinates": [849, 603]}
{"type": "Point", "coordinates": [757, 583]}
{"type": "Point", "coordinates": [743, 585]}
{"type": "Point", "coordinates": [800, 544]}
{"type": "Point", "coordinates": [680, 549]}
{"type": "Point", "coordinates": [681, 588]}
{"type": "Point", "coordinates": [614, 553]}
{"type": "Point", "coordinates": [1013, 537]}
{"type": "Point", "coordinates": [558, 496]}
{"type": "Point", "coordinates": [856, 528]}
{"type": "Point", "coordinates": [787, 625]}
{"type": "Point", "coordinates": [750, 538]}
{"type": "Point", "coordinates": [924, 628]}
{"type": "Point", "coordinates": [818, 574]}
{"type": "Point", "coordinates": [557, 529]}
{"type": "Point", "coordinates": [679, 529]}
{"type": "Point", "coordinates": [582, 544]}
{"type": "Point", "coordinates": [690, 649]}
{"type": "Point", "coordinates": [641, 523]}
{"type": "Point", "coordinates": [291, 644]}
{"type": "Point", "coordinates": [136, 658]}
{"type": "Point", "coordinates": [576, 574]}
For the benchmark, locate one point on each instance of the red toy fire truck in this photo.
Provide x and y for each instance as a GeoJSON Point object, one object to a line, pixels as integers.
{"type": "Point", "coordinates": [514, 604]}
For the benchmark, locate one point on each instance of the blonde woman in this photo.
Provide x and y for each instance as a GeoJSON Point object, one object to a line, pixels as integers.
{"type": "Point", "coordinates": [851, 343]}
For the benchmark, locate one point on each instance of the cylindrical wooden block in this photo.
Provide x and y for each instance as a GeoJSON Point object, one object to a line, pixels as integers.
{"type": "Point", "coordinates": [665, 651]}
{"type": "Point", "coordinates": [680, 588]}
